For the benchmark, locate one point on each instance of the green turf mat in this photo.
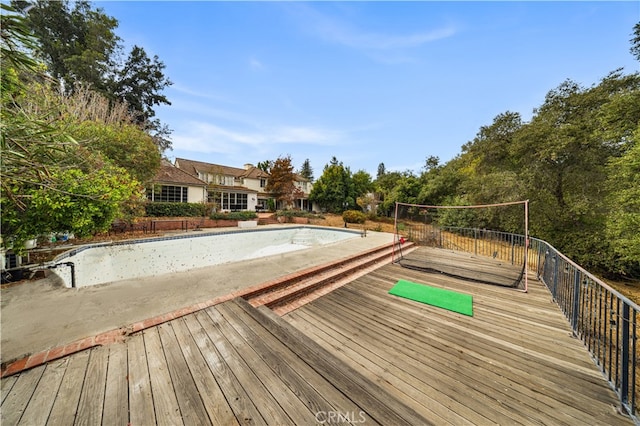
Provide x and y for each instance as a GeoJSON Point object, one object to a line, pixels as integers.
{"type": "Point", "coordinates": [446, 299]}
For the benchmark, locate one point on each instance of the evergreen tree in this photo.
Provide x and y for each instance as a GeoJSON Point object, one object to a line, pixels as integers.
{"type": "Point", "coordinates": [306, 171]}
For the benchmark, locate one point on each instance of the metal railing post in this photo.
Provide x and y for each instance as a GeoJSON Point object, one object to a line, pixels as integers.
{"type": "Point", "coordinates": [626, 338]}
{"type": "Point", "coordinates": [576, 301]}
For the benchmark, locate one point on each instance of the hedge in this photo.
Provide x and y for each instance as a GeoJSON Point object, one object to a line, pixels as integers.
{"type": "Point", "coordinates": [176, 209]}
{"type": "Point", "coordinates": [244, 215]}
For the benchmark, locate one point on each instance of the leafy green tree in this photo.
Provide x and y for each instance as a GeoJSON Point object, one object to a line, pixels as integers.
{"type": "Point", "coordinates": [361, 183]}
{"type": "Point", "coordinates": [281, 182]}
{"type": "Point", "coordinates": [562, 157]}
{"type": "Point", "coordinates": [77, 44]}
{"type": "Point", "coordinates": [384, 186]}
{"type": "Point", "coordinates": [623, 222]}
{"type": "Point", "coordinates": [395, 187]}
{"type": "Point", "coordinates": [381, 170]}
{"type": "Point", "coordinates": [306, 171]}
{"type": "Point", "coordinates": [126, 145]}
{"type": "Point", "coordinates": [333, 190]}
{"type": "Point", "coordinates": [431, 163]}
{"type": "Point", "coordinates": [76, 201]}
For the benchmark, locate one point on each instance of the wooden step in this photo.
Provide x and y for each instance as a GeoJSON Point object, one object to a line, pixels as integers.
{"type": "Point", "coordinates": [284, 295]}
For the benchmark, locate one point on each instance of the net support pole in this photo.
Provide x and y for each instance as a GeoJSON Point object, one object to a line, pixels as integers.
{"type": "Point", "coordinates": [395, 229]}
{"type": "Point", "coordinates": [526, 245]}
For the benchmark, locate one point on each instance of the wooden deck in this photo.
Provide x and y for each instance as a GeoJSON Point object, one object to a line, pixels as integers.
{"type": "Point", "coordinates": [356, 355]}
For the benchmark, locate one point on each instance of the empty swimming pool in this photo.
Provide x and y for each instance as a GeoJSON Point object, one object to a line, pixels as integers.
{"type": "Point", "coordinates": [103, 263]}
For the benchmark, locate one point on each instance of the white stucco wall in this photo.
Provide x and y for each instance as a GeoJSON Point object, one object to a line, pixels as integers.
{"type": "Point", "coordinates": [196, 194]}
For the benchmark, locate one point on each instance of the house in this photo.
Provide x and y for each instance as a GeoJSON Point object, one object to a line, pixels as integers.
{"type": "Point", "coordinates": [174, 185]}
{"type": "Point", "coordinates": [228, 188]}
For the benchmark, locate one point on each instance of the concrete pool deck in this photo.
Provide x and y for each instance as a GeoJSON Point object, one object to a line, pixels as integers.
{"type": "Point", "coordinates": [43, 314]}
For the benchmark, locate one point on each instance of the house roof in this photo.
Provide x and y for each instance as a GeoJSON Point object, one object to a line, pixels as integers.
{"type": "Point", "coordinates": [168, 173]}
{"type": "Point", "coordinates": [193, 167]}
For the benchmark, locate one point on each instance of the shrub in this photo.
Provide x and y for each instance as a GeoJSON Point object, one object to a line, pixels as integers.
{"type": "Point", "coordinates": [244, 215]}
{"type": "Point", "coordinates": [354, 216]}
{"type": "Point", "coordinates": [176, 209]}
{"type": "Point", "coordinates": [290, 214]}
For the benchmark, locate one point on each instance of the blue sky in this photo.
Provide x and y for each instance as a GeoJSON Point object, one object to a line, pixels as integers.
{"type": "Point", "coordinates": [367, 82]}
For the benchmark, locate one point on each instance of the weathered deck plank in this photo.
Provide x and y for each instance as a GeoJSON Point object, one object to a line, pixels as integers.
{"type": "Point", "coordinates": [16, 402]}
{"type": "Point", "coordinates": [268, 406]}
{"type": "Point", "coordinates": [318, 393]}
{"type": "Point", "coordinates": [445, 376]}
{"type": "Point", "coordinates": [42, 399]}
{"type": "Point", "coordinates": [6, 385]}
{"type": "Point", "coordinates": [92, 396]}
{"type": "Point", "coordinates": [65, 405]}
{"type": "Point", "coordinates": [285, 397]}
{"type": "Point", "coordinates": [357, 352]}
{"type": "Point", "coordinates": [116, 404]}
{"type": "Point", "coordinates": [379, 405]}
{"type": "Point", "coordinates": [212, 396]}
{"type": "Point", "coordinates": [165, 403]}
{"type": "Point", "coordinates": [191, 406]}
{"type": "Point", "coordinates": [515, 369]}
{"type": "Point", "coordinates": [141, 409]}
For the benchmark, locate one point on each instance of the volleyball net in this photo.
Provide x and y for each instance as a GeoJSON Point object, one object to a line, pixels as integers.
{"type": "Point", "coordinates": [481, 243]}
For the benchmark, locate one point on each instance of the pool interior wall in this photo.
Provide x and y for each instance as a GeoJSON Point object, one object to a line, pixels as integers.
{"type": "Point", "coordinates": [103, 263]}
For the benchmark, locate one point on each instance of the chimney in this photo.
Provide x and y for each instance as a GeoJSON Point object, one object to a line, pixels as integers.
{"type": "Point", "coordinates": [247, 166]}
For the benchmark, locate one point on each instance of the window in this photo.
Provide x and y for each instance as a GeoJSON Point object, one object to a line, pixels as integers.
{"type": "Point", "coordinates": [224, 180]}
{"type": "Point", "coordinates": [229, 200]}
{"type": "Point", "coordinates": [263, 182]}
{"type": "Point", "coordinates": [167, 194]}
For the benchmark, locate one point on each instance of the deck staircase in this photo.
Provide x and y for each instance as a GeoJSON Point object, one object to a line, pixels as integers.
{"type": "Point", "coordinates": [296, 290]}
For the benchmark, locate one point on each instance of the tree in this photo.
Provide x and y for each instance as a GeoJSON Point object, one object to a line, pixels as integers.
{"type": "Point", "coordinates": [333, 190]}
{"type": "Point", "coordinates": [281, 182]}
{"type": "Point", "coordinates": [635, 41]}
{"type": "Point", "coordinates": [623, 223]}
{"type": "Point", "coordinates": [381, 171]}
{"type": "Point", "coordinates": [50, 181]}
{"type": "Point", "coordinates": [431, 163]}
{"type": "Point", "coordinates": [76, 44]}
{"type": "Point", "coordinates": [361, 184]}
{"type": "Point", "coordinates": [139, 83]}
{"type": "Point", "coordinates": [79, 45]}
{"type": "Point", "coordinates": [125, 145]}
{"type": "Point", "coordinates": [265, 165]}
{"type": "Point", "coordinates": [306, 171]}
{"type": "Point", "coordinates": [562, 156]}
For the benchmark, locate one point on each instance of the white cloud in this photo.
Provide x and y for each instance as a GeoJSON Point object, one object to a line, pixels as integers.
{"type": "Point", "coordinates": [210, 138]}
{"type": "Point", "coordinates": [372, 41]}
{"type": "Point", "coordinates": [255, 64]}
{"type": "Point", "coordinates": [336, 31]}
{"type": "Point", "coordinates": [197, 93]}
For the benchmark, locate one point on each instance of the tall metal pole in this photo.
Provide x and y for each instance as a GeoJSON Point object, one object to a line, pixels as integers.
{"type": "Point", "coordinates": [526, 245]}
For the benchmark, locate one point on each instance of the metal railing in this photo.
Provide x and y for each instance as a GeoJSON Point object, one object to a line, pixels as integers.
{"type": "Point", "coordinates": [604, 319]}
